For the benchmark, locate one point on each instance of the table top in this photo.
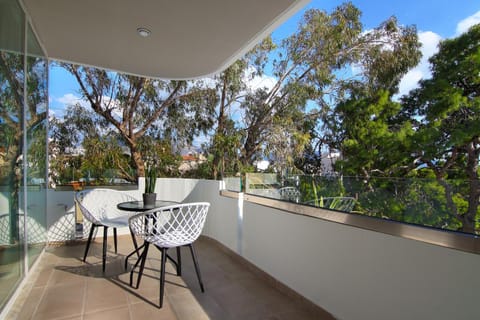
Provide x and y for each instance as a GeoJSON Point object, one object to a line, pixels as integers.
{"type": "Point", "coordinates": [139, 206]}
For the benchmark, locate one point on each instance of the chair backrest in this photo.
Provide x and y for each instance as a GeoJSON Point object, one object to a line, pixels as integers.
{"type": "Point", "coordinates": [289, 193]}
{"type": "Point", "coordinates": [100, 205]}
{"type": "Point", "coordinates": [171, 226]}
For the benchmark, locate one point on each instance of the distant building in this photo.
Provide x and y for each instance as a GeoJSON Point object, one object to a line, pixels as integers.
{"type": "Point", "coordinates": [261, 165]}
{"type": "Point", "coordinates": [328, 160]}
{"type": "Point", "coordinates": [191, 161]}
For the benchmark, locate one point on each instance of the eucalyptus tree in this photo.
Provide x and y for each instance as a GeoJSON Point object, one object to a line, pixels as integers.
{"type": "Point", "coordinates": [240, 134]}
{"type": "Point", "coordinates": [83, 129]}
{"type": "Point", "coordinates": [445, 111]}
{"type": "Point", "coordinates": [318, 67]}
{"type": "Point", "coordinates": [225, 141]}
{"type": "Point", "coordinates": [135, 107]}
{"type": "Point", "coordinates": [372, 64]}
{"type": "Point", "coordinates": [22, 114]}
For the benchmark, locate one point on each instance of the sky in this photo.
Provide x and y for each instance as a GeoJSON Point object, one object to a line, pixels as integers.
{"type": "Point", "coordinates": [435, 20]}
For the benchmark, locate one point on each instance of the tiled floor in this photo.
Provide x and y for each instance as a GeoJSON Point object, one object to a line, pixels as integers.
{"type": "Point", "coordinates": [63, 287]}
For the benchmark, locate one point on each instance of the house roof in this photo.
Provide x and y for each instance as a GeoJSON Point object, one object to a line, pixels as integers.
{"type": "Point", "coordinates": [188, 39]}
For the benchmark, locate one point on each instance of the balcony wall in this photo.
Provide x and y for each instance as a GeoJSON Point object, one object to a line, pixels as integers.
{"type": "Point", "coordinates": [350, 272]}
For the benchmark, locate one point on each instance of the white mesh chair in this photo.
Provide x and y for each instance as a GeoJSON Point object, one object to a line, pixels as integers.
{"type": "Point", "coordinates": [289, 193]}
{"type": "Point", "coordinates": [169, 227]}
{"type": "Point", "coordinates": [99, 207]}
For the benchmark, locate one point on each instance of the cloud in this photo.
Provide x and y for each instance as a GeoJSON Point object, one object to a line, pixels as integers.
{"type": "Point", "coordinates": [466, 23]}
{"type": "Point", "coordinates": [70, 99]}
{"type": "Point", "coordinates": [258, 82]}
{"type": "Point", "coordinates": [429, 41]}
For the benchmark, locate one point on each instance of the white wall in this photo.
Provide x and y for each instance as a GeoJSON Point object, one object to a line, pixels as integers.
{"type": "Point", "coordinates": [359, 274]}
{"type": "Point", "coordinates": [350, 272]}
{"type": "Point", "coordinates": [60, 215]}
{"type": "Point", "coordinates": [61, 210]}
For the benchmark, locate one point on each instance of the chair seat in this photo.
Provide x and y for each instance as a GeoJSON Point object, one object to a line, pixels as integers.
{"type": "Point", "coordinates": [116, 222]}
{"type": "Point", "coordinates": [170, 240]}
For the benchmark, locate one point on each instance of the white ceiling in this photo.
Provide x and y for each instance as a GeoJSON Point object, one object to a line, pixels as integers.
{"type": "Point", "coordinates": [189, 38]}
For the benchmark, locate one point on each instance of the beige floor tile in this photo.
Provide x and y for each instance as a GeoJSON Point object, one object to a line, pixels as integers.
{"type": "Point", "coordinates": [67, 288]}
{"type": "Point", "coordinates": [147, 291]}
{"type": "Point", "coordinates": [210, 306]}
{"type": "Point", "coordinates": [186, 307]}
{"type": "Point", "coordinates": [27, 309]}
{"type": "Point", "coordinates": [148, 311]}
{"type": "Point", "coordinates": [44, 276]}
{"type": "Point", "coordinates": [103, 294]}
{"type": "Point", "coordinates": [121, 313]}
{"type": "Point", "coordinates": [69, 275]}
{"type": "Point", "coordinates": [61, 301]}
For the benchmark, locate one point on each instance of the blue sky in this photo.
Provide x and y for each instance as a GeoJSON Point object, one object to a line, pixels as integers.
{"type": "Point", "coordinates": [439, 16]}
{"type": "Point", "coordinates": [435, 20]}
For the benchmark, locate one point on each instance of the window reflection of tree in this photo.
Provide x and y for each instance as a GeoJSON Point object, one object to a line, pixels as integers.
{"type": "Point", "coordinates": [12, 90]}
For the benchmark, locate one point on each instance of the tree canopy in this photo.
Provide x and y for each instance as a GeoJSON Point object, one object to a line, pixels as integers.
{"type": "Point", "coordinates": [329, 87]}
{"type": "Point", "coordinates": [445, 110]}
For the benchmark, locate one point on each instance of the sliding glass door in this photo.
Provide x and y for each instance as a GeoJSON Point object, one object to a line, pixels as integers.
{"type": "Point", "coordinates": [23, 120]}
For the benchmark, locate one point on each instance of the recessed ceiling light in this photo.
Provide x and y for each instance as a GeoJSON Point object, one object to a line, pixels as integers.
{"type": "Point", "coordinates": [143, 32]}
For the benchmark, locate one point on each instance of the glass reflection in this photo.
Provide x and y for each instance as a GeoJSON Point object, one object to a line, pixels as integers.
{"type": "Point", "coordinates": [23, 110]}
{"type": "Point", "coordinates": [35, 124]}
{"type": "Point", "coordinates": [11, 144]}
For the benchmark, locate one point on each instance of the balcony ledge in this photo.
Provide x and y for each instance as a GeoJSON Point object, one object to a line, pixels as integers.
{"type": "Point", "coordinates": [444, 238]}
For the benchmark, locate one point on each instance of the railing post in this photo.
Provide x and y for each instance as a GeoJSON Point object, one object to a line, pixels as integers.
{"type": "Point", "coordinates": [240, 224]}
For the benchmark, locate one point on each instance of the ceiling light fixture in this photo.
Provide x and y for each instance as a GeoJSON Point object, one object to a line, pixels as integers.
{"type": "Point", "coordinates": [143, 32]}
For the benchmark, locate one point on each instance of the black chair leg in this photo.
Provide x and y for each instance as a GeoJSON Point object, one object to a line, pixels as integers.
{"type": "Point", "coordinates": [143, 259]}
{"type": "Point", "coordinates": [115, 238]}
{"type": "Point", "coordinates": [90, 236]}
{"type": "Point", "coordinates": [137, 249]}
{"type": "Point", "coordinates": [179, 262]}
{"type": "Point", "coordinates": [104, 254]}
{"type": "Point", "coordinates": [135, 245]}
{"type": "Point", "coordinates": [197, 267]}
{"type": "Point", "coordinates": [135, 265]}
{"type": "Point", "coordinates": [162, 275]}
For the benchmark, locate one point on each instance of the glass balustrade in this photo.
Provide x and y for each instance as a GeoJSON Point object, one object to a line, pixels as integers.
{"type": "Point", "coordinates": [425, 202]}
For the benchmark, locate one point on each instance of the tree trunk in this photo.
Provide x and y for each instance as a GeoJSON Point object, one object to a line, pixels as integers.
{"type": "Point", "coordinates": [15, 183]}
{"type": "Point", "coordinates": [469, 218]}
{"type": "Point", "coordinates": [138, 161]}
{"type": "Point", "coordinates": [249, 149]}
{"type": "Point", "coordinates": [218, 149]}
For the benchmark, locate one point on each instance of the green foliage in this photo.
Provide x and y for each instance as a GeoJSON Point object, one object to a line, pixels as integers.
{"type": "Point", "coordinates": [416, 200]}
{"type": "Point", "coordinates": [354, 75]}
{"type": "Point", "coordinates": [332, 90]}
{"type": "Point", "coordinates": [371, 142]}
{"type": "Point", "coordinates": [104, 154]}
{"type": "Point", "coordinates": [150, 177]}
{"type": "Point", "coordinates": [134, 107]}
{"type": "Point", "coordinates": [446, 109]}
{"type": "Point", "coordinates": [159, 153]}
{"type": "Point", "coordinates": [313, 187]}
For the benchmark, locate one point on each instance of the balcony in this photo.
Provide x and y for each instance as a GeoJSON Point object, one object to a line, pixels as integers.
{"type": "Point", "coordinates": [64, 287]}
{"type": "Point", "coordinates": [261, 259]}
